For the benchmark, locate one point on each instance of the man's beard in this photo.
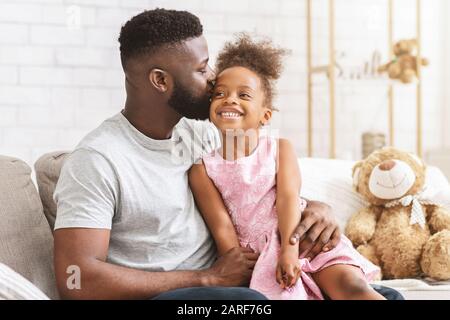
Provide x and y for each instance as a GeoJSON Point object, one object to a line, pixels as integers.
{"type": "Point", "coordinates": [187, 105]}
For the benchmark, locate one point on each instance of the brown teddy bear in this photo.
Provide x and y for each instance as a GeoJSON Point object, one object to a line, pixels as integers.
{"type": "Point", "coordinates": [404, 234]}
{"type": "Point", "coordinates": [404, 66]}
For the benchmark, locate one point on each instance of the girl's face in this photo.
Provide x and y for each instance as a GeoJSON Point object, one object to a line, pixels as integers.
{"type": "Point", "coordinates": [238, 100]}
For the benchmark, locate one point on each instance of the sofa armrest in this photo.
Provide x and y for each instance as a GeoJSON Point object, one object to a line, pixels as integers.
{"type": "Point", "coordinates": [48, 167]}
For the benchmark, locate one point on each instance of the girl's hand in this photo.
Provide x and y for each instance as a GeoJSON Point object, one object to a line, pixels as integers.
{"type": "Point", "coordinates": [288, 269]}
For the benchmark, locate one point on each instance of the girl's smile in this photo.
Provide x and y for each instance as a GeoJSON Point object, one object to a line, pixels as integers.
{"type": "Point", "coordinates": [230, 113]}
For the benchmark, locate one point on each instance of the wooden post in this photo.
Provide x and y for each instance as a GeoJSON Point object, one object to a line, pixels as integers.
{"type": "Point", "coordinates": [419, 80]}
{"type": "Point", "coordinates": [391, 87]}
{"type": "Point", "coordinates": [309, 70]}
{"type": "Point", "coordinates": [332, 80]}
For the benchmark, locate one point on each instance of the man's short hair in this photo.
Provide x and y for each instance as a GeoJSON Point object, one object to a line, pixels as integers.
{"type": "Point", "coordinates": [145, 33]}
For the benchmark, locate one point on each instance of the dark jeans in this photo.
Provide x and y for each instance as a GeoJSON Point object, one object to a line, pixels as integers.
{"type": "Point", "coordinates": [211, 293]}
{"type": "Point", "coordinates": [223, 293]}
{"type": "Point", "coordinates": [388, 293]}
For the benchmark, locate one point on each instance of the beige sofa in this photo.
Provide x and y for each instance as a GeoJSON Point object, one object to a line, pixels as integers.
{"type": "Point", "coordinates": [27, 218]}
{"type": "Point", "coordinates": [26, 241]}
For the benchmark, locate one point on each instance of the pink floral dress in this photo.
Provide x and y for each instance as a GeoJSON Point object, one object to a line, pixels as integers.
{"type": "Point", "coordinates": [248, 189]}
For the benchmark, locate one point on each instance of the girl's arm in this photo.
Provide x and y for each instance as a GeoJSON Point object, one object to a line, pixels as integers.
{"type": "Point", "coordinates": [288, 191]}
{"type": "Point", "coordinates": [211, 206]}
{"type": "Point", "coordinates": [288, 211]}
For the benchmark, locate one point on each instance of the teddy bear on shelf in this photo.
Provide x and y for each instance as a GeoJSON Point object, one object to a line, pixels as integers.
{"type": "Point", "coordinates": [404, 65]}
{"type": "Point", "coordinates": [400, 231]}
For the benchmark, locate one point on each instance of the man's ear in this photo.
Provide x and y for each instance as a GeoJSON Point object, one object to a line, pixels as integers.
{"type": "Point", "coordinates": [266, 117]}
{"type": "Point", "coordinates": [159, 79]}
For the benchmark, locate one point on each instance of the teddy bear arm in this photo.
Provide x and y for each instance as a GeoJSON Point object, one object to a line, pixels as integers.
{"type": "Point", "coordinates": [436, 256]}
{"type": "Point", "coordinates": [361, 226]}
{"type": "Point", "coordinates": [439, 218]}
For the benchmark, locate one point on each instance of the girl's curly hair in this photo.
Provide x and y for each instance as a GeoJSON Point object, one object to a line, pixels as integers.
{"type": "Point", "coordinates": [261, 57]}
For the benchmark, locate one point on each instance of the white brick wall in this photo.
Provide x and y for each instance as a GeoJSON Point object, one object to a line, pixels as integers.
{"type": "Point", "coordinates": [60, 73]}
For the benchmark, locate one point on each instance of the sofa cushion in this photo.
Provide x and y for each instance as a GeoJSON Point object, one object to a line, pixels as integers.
{"type": "Point", "coordinates": [15, 287]}
{"type": "Point", "coordinates": [26, 242]}
{"type": "Point", "coordinates": [330, 181]}
{"type": "Point", "coordinates": [423, 289]}
{"type": "Point", "coordinates": [48, 167]}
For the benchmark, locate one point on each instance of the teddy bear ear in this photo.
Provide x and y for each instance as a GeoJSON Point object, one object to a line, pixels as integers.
{"type": "Point", "coordinates": [356, 177]}
{"type": "Point", "coordinates": [356, 172]}
{"type": "Point", "coordinates": [417, 159]}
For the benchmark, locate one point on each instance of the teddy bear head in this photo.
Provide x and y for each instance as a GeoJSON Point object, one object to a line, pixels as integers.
{"type": "Point", "coordinates": [388, 174]}
{"type": "Point", "coordinates": [403, 47]}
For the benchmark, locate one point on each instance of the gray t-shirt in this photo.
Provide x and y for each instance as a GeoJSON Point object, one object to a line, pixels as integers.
{"type": "Point", "coordinates": [119, 179]}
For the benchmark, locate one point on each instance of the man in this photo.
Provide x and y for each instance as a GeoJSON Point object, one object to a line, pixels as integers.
{"type": "Point", "coordinates": [125, 214]}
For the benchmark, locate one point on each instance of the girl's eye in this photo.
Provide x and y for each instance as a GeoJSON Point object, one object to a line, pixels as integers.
{"type": "Point", "coordinates": [203, 71]}
{"type": "Point", "coordinates": [245, 95]}
{"type": "Point", "coordinates": [218, 94]}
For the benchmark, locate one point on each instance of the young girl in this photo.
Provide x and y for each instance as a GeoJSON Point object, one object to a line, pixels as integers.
{"type": "Point", "coordinates": [248, 190]}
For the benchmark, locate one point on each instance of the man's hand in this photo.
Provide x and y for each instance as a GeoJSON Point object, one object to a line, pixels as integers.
{"type": "Point", "coordinates": [317, 230]}
{"type": "Point", "coordinates": [233, 269]}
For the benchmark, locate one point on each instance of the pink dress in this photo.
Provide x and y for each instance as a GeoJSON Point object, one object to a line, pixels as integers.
{"type": "Point", "coordinates": [248, 189]}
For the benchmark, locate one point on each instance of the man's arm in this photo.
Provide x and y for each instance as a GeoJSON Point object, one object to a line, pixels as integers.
{"type": "Point", "coordinates": [87, 249]}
